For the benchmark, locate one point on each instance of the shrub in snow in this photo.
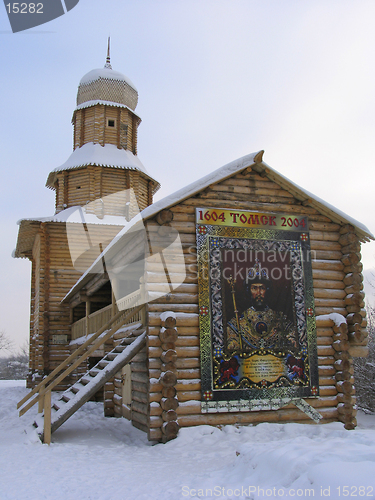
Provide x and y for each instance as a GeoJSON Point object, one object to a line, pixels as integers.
{"type": "Point", "coordinates": [364, 369]}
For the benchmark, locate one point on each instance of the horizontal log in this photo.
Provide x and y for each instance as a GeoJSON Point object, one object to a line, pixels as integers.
{"type": "Point", "coordinates": [140, 418]}
{"type": "Point", "coordinates": [325, 274]}
{"type": "Point", "coordinates": [181, 308]}
{"type": "Point", "coordinates": [249, 205]}
{"type": "Point", "coordinates": [182, 330]}
{"type": "Point", "coordinates": [328, 310]}
{"type": "Point", "coordinates": [184, 288]}
{"type": "Point", "coordinates": [140, 396]}
{"type": "Point", "coordinates": [139, 386]}
{"type": "Point", "coordinates": [326, 381]}
{"type": "Point", "coordinates": [282, 415]}
{"type": "Point", "coordinates": [323, 226]}
{"type": "Point", "coordinates": [328, 284]}
{"type": "Point", "coordinates": [328, 390]}
{"type": "Point", "coordinates": [324, 235]}
{"type": "Point", "coordinates": [324, 332]}
{"type": "Point", "coordinates": [329, 302]}
{"type": "Point", "coordinates": [325, 245]}
{"type": "Point", "coordinates": [173, 298]}
{"type": "Point", "coordinates": [325, 351]}
{"type": "Point", "coordinates": [139, 407]}
{"type": "Point", "coordinates": [332, 265]}
{"type": "Point", "coordinates": [139, 377]}
{"type": "Point", "coordinates": [326, 255]}
{"type": "Point", "coordinates": [326, 371]}
{"type": "Point", "coordinates": [329, 293]}
{"type": "Point", "coordinates": [182, 319]}
{"type": "Point", "coordinates": [324, 341]}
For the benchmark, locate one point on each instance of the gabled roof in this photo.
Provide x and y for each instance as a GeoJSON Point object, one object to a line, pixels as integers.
{"type": "Point", "coordinates": [108, 155]}
{"type": "Point", "coordinates": [255, 161]}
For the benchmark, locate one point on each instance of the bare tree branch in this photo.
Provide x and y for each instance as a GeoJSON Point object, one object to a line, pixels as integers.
{"type": "Point", "coordinates": [6, 344]}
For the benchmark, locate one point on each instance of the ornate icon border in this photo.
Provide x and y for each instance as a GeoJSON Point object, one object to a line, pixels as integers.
{"type": "Point", "coordinates": [250, 233]}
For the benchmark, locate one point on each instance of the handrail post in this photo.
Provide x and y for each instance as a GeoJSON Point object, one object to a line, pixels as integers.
{"type": "Point", "coordinates": [47, 418]}
{"type": "Point", "coordinates": [41, 398]}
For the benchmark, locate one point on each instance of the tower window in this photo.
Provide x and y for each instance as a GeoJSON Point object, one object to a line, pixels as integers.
{"type": "Point", "coordinates": [111, 122]}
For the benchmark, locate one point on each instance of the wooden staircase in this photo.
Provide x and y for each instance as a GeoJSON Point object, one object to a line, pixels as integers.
{"type": "Point", "coordinates": [72, 399]}
{"type": "Point", "coordinates": [79, 393]}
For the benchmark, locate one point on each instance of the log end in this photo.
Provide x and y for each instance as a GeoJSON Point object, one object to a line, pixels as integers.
{"type": "Point", "coordinates": [258, 158]}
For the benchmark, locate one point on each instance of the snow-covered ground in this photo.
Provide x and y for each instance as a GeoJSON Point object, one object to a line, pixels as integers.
{"type": "Point", "coordinates": [97, 458]}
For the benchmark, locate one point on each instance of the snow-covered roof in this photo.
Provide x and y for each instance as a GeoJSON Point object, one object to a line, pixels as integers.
{"type": "Point", "coordinates": [108, 155]}
{"type": "Point", "coordinates": [220, 175]}
{"type": "Point", "coordinates": [105, 73]}
{"type": "Point", "coordinates": [239, 165]}
{"type": "Point", "coordinates": [73, 215]}
{"type": "Point", "coordinates": [94, 102]}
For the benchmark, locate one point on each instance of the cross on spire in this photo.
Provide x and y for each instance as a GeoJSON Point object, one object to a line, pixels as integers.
{"type": "Point", "coordinates": [108, 60]}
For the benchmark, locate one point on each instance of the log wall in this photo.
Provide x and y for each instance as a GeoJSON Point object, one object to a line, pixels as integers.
{"type": "Point", "coordinates": [332, 292]}
{"type": "Point", "coordinates": [92, 183]}
{"type": "Point", "coordinates": [92, 125]}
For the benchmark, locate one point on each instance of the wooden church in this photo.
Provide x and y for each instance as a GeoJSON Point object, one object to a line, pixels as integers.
{"type": "Point", "coordinates": [236, 300]}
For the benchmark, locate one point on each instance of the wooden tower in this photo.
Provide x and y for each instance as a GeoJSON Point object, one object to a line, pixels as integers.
{"type": "Point", "coordinates": [98, 176]}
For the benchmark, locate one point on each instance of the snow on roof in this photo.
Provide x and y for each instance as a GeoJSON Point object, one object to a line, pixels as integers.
{"type": "Point", "coordinates": [219, 175]}
{"type": "Point", "coordinates": [74, 215]}
{"type": "Point", "coordinates": [108, 155]}
{"type": "Point", "coordinates": [105, 73]}
{"type": "Point", "coordinates": [88, 104]}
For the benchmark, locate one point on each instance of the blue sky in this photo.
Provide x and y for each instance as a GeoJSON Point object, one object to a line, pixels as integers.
{"type": "Point", "coordinates": [217, 79]}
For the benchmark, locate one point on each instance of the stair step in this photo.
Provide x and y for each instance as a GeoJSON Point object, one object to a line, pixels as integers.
{"type": "Point", "coordinates": [56, 407]}
{"type": "Point", "coordinates": [74, 389]}
{"type": "Point", "coordinates": [128, 341]}
{"type": "Point", "coordinates": [103, 363]}
{"type": "Point", "coordinates": [65, 398]}
{"type": "Point", "coordinates": [93, 372]}
{"type": "Point", "coordinates": [111, 356]}
{"type": "Point", "coordinates": [119, 348]}
{"type": "Point", "coordinates": [84, 381]}
{"type": "Point", "coordinates": [137, 333]}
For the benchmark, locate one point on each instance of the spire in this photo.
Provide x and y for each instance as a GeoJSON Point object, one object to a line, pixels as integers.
{"type": "Point", "coordinates": [108, 60]}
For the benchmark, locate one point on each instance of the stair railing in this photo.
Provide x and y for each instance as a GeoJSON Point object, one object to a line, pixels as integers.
{"type": "Point", "coordinates": [45, 387]}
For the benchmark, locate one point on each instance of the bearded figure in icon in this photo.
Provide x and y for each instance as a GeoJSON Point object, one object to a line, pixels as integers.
{"type": "Point", "coordinates": [259, 326]}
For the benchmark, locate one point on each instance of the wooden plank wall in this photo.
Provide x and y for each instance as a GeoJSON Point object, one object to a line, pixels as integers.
{"type": "Point", "coordinates": [89, 184]}
{"type": "Point", "coordinates": [91, 125]}
{"type": "Point", "coordinates": [249, 191]}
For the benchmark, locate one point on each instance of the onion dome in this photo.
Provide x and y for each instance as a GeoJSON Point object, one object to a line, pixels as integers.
{"type": "Point", "coordinates": [107, 85]}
